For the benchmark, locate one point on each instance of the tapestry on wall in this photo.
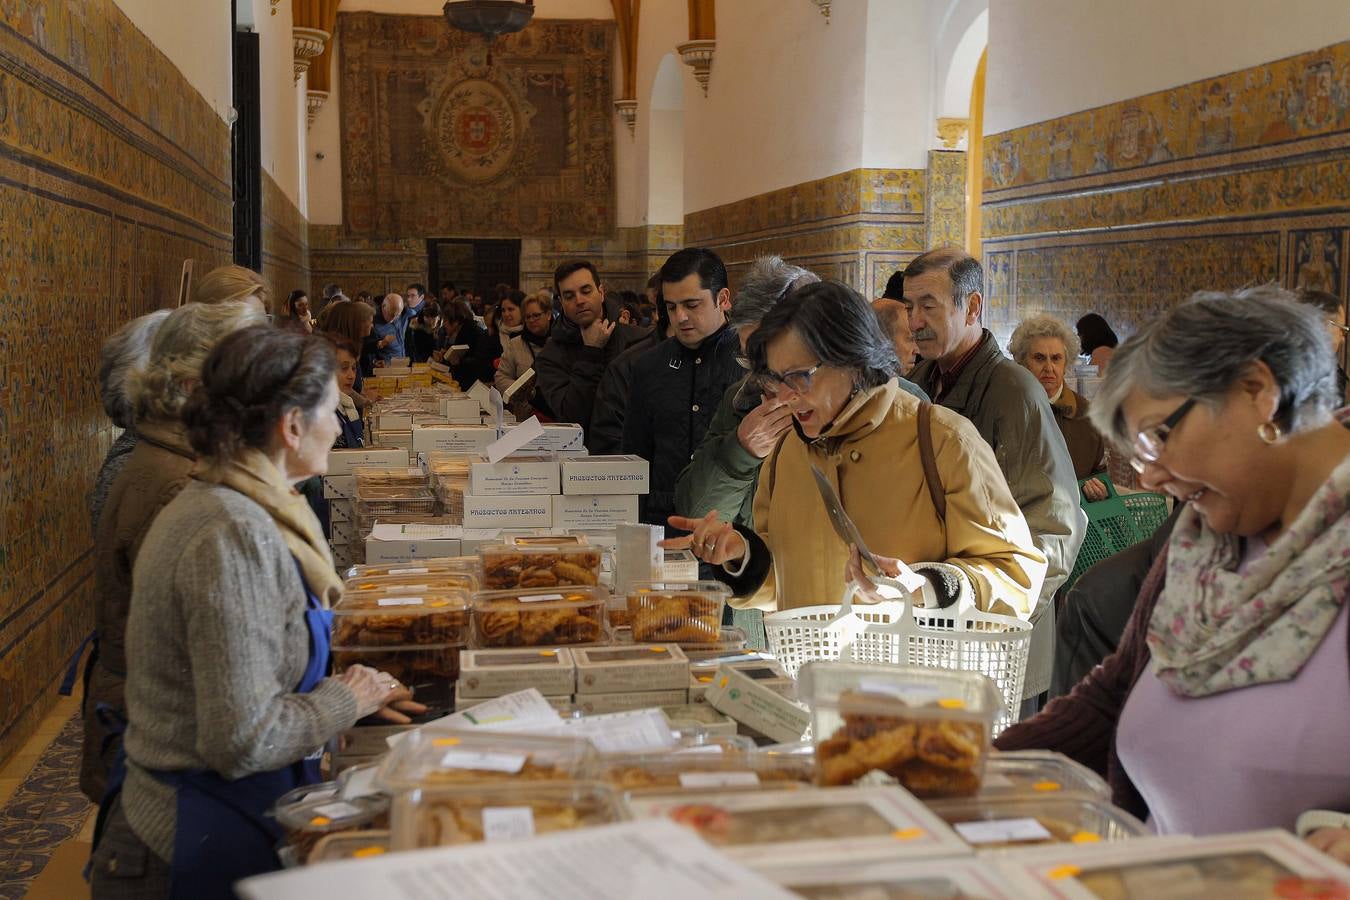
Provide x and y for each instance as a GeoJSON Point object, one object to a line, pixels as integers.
{"type": "Point", "coordinates": [441, 138]}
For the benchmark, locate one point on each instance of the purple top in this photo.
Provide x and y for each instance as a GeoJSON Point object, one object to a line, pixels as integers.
{"type": "Point", "coordinates": [1252, 758]}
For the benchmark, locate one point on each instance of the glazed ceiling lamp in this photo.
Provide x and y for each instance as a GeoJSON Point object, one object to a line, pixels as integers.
{"type": "Point", "coordinates": [489, 18]}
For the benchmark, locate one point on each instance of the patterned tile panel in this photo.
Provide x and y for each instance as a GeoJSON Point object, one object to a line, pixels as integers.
{"type": "Point", "coordinates": [285, 243]}
{"type": "Point", "coordinates": [46, 810]}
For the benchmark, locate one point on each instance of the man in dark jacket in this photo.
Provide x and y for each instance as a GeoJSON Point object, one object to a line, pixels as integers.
{"type": "Point", "coordinates": [611, 400]}
{"type": "Point", "coordinates": [677, 386]}
{"type": "Point", "coordinates": [584, 341]}
{"type": "Point", "coordinates": [965, 371]}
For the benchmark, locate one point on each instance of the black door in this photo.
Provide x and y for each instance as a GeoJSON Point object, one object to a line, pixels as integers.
{"type": "Point", "coordinates": [473, 264]}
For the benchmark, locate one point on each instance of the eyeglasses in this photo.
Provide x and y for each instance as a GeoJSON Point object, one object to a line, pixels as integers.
{"type": "Point", "coordinates": [798, 380]}
{"type": "Point", "coordinates": [744, 362]}
{"type": "Point", "coordinates": [1148, 443]}
{"type": "Point", "coordinates": [1343, 329]}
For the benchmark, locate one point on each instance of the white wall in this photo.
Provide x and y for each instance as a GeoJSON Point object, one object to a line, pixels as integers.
{"type": "Point", "coordinates": [324, 176]}
{"type": "Point", "coordinates": [665, 178]}
{"type": "Point", "coordinates": [195, 36]}
{"type": "Point", "coordinates": [279, 97]}
{"type": "Point", "coordinates": [898, 124]}
{"type": "Point", "coordinates": [1049, 58]}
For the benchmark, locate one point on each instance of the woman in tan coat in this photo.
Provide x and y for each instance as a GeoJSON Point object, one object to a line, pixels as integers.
{"type": "Point", "coordinates": [821, 351]}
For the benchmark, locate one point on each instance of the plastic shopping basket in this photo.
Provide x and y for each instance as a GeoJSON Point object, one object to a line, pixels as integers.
{"type": "Point", "coordinates": [895, 633]}
{"type": "Point", "coordinates": [1116, 523]}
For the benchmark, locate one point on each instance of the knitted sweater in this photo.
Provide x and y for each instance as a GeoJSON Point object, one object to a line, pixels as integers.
{"type": "Point", "coordinates": [216, 644]}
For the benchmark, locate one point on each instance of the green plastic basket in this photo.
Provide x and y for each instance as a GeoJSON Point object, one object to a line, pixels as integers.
{"type": "Point", "coordinates": [1112, 527]}
{"type": "Point", "coordinates": [1149, 511]}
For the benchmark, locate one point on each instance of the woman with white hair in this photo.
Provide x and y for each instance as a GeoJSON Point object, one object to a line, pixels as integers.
{"type": "Point", "coordinates": [122, 356]}
{"type": "Point", "coordinates": [1227, 705]}
{"type": "Point", "coordinates": [155, 472]}
{"type": "Point", "coordinates": [1046, 347]}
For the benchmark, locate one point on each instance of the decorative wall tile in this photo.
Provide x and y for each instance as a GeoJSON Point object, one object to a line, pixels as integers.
{"type": "Point", "coordinates": [945, 199]}
{"type": "Point", "coordinates": [285, 244]}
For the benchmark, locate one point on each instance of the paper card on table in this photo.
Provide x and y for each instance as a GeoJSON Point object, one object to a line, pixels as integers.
{"type": "Point", "coordinates": [360, 784]}
{"type": "Point", "coordinates": [515, 439]}
{"type": "Point", "coordinates": [696, 780]}
{"type": "Point", "coordinates": [483, 760]}
{"type": "Point", "coordinates": [654, 859]}
{"type": "Point", "coordinates": [1002, 831]}
{"type": "Point", "coordinates": [624, 732]}
{"type": "Point", "coordinates": [479, 392]}
{"type": "Point", "coordinates": [518, 385]}
{"type": "Point", "coordinates": [498, 408]}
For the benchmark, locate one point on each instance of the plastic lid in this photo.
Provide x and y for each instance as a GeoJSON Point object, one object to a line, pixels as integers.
{"type": "Point", "coordinates": [448, 816]}
{"type": "Point", "coordinates": [704, 771]}
{"type": "Point", "coordinates": [350, 845]}
{"type": "Point", "coordinates": [331, 813]}
{"type": "Point", "coordinates": [403, 600]}
{"type": "Point", "coordinates": [465, 581]}
{"type": "Point", "coordinates": [679, 587]}
{"type": "Point", "coordinates": [1040, 772]}
{"type": "Point", "coordinates": [448, 564]}
{"type": "Point", "coordinates": [935, 691]}
{"type": "Point", "coordinates": [433, 758]}
{"type": "Point", "coordinates": [1010, 822]}
{"type": "Point", "coordinates": [541, 598]}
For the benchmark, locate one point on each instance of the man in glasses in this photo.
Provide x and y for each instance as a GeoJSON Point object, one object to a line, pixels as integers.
{"type": "Point", "coordinates": [676, 386]}
{"type": "Point", "coordinates": [965, 371]}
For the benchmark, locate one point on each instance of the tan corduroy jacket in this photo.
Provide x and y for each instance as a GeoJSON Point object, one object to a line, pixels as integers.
{"type": "Point", "coordinates": [870, 454]}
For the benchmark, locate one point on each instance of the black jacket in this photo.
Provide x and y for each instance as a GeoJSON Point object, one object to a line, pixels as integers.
{"type": "Point", "coordinates": [672, 397]}
{"type": "Point", "coordinates": [477, 362]}
{"type": "Point", "coordinates": [605, 436]}
{"type": "Point", "coordinates": [569, 372]}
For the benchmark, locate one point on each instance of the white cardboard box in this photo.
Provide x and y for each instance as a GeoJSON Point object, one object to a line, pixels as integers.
{"type": "Point", "coordinates": [507, 512]}
{"type": "Point", "coordinates": [339, 487]}
{"type": "Point", "coordinates": [594, 510]}
{"type": "Point", "coordinates": [493, 673]}
{"type": "Point", "coordinates": [559, 437]}
{"type": "Point", "coordinates": [514, 475]}
{"type": "Point", "coordinates": [343, 532]}
{"type": "Point", "coordinates": [403, 543]}
{"type": "Point", "coordinates": [466, 439]}
{"type": "Point", "coordinates": [679, 565]}
{"type": "Point", "coordinates": [606, 475]}
{"type": "Point", "coordinates": [393, 421]}
{"type": "Point", "coordinates": [400, 439]}
{"type": "Point", "coordinates": [754, 705]}
{"type": "Point", "coordinates": [562, 703]}
{"type": "Point", "coordinates": [340, 510]}
{"type": "Point", "coordinates": [460, 408]}
{"type": "Point", "coordinates": [595, 704]}
{"type": "Point", "coordinates": [637, 668]}
{"type": "Point", "coordinates": [340, 462]}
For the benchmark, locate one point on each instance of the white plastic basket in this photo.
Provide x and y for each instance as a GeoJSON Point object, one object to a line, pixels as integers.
{"type": "Point", "coordinates": [893, 632]}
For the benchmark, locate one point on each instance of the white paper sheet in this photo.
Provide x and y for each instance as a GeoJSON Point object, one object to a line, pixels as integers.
{"type": "Point", "coordinates": [523, 711]}
{"type": "Point", "coordinates": [514, 439]}
{"type": "Point", "coordinates": [654, 859]}
{"type": "Point", "coordinates": [623, 732]}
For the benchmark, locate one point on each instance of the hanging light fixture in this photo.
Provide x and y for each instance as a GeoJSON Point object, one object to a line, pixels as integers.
{"type": "Point", "coordinates": [489, 18]}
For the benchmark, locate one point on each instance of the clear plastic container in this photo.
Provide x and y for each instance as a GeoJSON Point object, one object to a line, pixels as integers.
{"type": "Point", "coordinates": [928, 729]}
{"type": "Point", "coordinates": [388, 477]}
{"type": "Point", "coordinates": [1013, 822]}
{"type": "Point", "coordinates": [382, 501]}
{"type": "Point", "coordinates": [464, 581]}
{"type": "Point", "coordinates": [402, 615]}
{"type": "Point", "coordinates": [703, 771]}
{"type": "Point", "coordinates": [444, 758]}
{"type": "Point", "coordinates": [351, 845]}
{"type": "Point", "coordinates": [314, 815]}
{"type": "Point", "coordinates": [417, 665]}
{"type": "Point", "coordinates": [1040, 772]}
{"type": "Point", "coordinates": [448, 565]}
{"type": "Point", "coordinates": [553, 564]}
{"type": "Point", "coordinates": [447, 817]}
{"type": "Point", "coordinates": [539, 617]}
{"type": "Point", "coordinates": [673, 612]}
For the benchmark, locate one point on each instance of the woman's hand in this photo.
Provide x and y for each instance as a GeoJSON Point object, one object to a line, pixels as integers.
{"type": "Point", "coordinates": [400, 709]}
{"type": "Point", "coordinates": [853, 571]}
{"type": "Point", "coordinates": [1094, 489]}
{"type": "Point", "coordinates": [713, 541]}
{"type": "Point", "coordinates": [373, 689]}
{"type": "Point", "coordinates": [1334, 842]}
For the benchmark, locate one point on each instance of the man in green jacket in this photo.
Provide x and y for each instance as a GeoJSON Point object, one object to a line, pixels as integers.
{"type": "Point", "coordinates": [965, 371]}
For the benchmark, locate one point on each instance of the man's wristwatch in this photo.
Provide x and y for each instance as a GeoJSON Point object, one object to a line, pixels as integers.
{"type": "Point", "coordinates": [1316, 819]}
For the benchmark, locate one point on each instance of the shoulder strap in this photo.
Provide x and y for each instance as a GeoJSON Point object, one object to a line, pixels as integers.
{"type": "Point", "coordinates": [929, 460]}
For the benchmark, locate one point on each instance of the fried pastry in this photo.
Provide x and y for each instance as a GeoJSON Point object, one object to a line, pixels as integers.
{"type": "Point", "coordinates": [512, 568]}
{"type": "Point", "coordinates": [675, 618]}
{"type": "Point", "coordinates": [570, 618]}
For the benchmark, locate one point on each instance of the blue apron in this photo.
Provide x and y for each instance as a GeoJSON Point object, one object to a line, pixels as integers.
{"type": "Point", "coordinates": [223, 832]}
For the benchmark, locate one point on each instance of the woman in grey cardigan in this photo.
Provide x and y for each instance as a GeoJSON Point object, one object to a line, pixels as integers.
{"type": "Point", "coordinates": [227, 641]}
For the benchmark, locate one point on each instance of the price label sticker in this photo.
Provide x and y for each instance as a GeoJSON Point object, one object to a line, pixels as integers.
{"type": "Point", "coordinates": [539, 598]}
{"type": "Point", "coordinates": [484, 761]}
{"type": "Point", "coordinates": [417, 570]}
{"type": "Point", "coordinates": [400, 601]}
{"type": "Point", "coordinates": [718, 779]}
{"type": "Point", "coordinates": [338, 810]}
{"type": "Point", "coordinates": [367, 852]}
{"type": "Point", "coordinates": [508, 823]}
{"type": "Point", "coordinates": [1002, 831]}
{"type": "Point", "coordinates": [1046, 786]}
{"type": "Point", "coordinates": [908, 834]}
{"type": "Point", "coordinates": [1059, 873]}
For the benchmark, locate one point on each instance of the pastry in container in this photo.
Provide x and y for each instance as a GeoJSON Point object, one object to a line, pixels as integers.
{"type": "Point", "coordinates": [928, 729]}
{"type": "Point", "coordinates": [434, 758]}
{"type": "Point", "coordinates": [452, 816]}
{"type": "Point", "coordinates": [400, 615]}
{"type": "Point", "coordinates": [308, 815]}
{"type": "Point", "coordinates": [540, 617]}
{"type": "Point", "coordinates": [682, 770]}
{"type": "Point", "coordinates": [449, 565]}
{"type": "Point", "coordinates": [382, 501]}
{"type": "Point", "coordinates": [553, 562]}
{"type": "Point", "coordinates": [1040, 772]}
{"type": "Point", "coordinates": [1014, 822]}
{"type": "Point", "coordinates": [350, 845]}
{"type": "Point", "coordinates": [388, 477]}
{"type": "Point", "coordinates": [671, 612]}
{"type": "Point", "coordinates": [413, 583]}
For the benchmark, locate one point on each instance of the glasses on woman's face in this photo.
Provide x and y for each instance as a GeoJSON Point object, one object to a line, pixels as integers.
{"type": "Point", "coordinates": [1149, 443]}
{"type": "Point", "coordinates": [1343, 329]}
{"type": "Point", "coordinates": [798, 381]}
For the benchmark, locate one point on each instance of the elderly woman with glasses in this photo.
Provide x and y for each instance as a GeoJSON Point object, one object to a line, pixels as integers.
{"type": "Point", "coordinates": [917, 480]}
{"type": "Point", "coordinates": [1227, 705]}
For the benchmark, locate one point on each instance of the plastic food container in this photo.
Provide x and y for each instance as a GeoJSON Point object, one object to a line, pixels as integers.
{"type": "Point", "coordinates": [617, 617]}
{"type": "Point", "coordinates": [928, 729]}
{"type": "Point", "coordinates": [399, 615]}
{"type": "Point", "coordinates": [670, 612]}
{"type": "Point", "coordinates": [406, 584]}
{"type": "Point", "coordinates": [381, 501]}
{"type": "Point", "coordinates": [388, 477]}
{"type": "Point", "coordinates": [1040, 773]}
{"type": "Point", "coordinates": [351, 845]}
{"type": "Point", "coordinates": [449, 816]}
{"type": "Point", "coordinates": [416, 665]}
{"type": "Point", "coordinates": [449, 565]}
{"type": "Point", "coordinates": [308, 815]}
{"type": "Point", "coordinates": [1009, 823]}
{"type": "Point", "coordinates": [444, 758]}
{"type": "Point", "coordinates": [945, 879]}
{"type": "Point", "coordinates": [704, 771]}
{"type": "Point", "coordinates": [552, 564]}
{"type": "Point", "coordinates": [539, 617]}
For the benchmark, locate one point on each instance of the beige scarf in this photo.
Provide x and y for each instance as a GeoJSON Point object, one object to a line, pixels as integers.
{"type": "Point", "coordinates": [257, 477]}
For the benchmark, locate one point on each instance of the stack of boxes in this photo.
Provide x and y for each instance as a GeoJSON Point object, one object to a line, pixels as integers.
{"type": "Point", "coordinates": [551, 488]}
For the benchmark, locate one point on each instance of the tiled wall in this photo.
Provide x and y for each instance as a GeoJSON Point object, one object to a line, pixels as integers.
{"type": "Point", "coordinates": [113, 170]}
{"type": "Point", "coordinates": [285, 244]}
{"type": "Point", "coordinates": [1128, 208]}
{"type": "Point", "coordinates": [357, 264]}
{"type": "Point", "coordinates": [857, 226]}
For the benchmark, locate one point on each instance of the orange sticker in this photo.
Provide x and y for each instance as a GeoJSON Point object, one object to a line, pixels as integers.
{"type": "Point", "coordinates": [908, 834]}
{"type": "Point", "coordinates": [705, 679]}
{"type": "Point", "coordinates": [439, 603]}
{"type": "Point", "coordinates": [365, 852]}
{"type": "Point", "coordinates": [321, 821]}
{"type": "Point", "coordinates": [1086, 837]}
{"type": "Point", "coordinates": [548, 652]}
{"type": "Point", "coordinates": [952, 703]}
{"type": "Point", "coordinates": [445, 742]}
{"type": "Point", "coordinates": [657, 649]}
{"type": "Point", "coordinates": [723, 682]}
{"type": "Point", "coordinates": [1062, 872]}
{"type": "Point", "coordinates": [1046, 786]}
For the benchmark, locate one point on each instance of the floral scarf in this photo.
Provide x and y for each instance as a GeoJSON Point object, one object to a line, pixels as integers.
{"type": "Point", "coordinates": [1215, 629]}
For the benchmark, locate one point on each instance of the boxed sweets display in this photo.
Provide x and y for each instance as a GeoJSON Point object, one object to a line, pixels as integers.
{"type": "Point", "coordinates": [535, 562]}
{"type": "Point", "coordinates": [699, 717]}
{"type": "Point", "coordinates": [461, 439]}
{"type": "Point", "coordinates": [625, 701]}
{"type": "Point", "coordinates": [449, 816]}
{"type": "Point", "coordinates": [679, 565]}
{"type": "Point", "coordinates": [768, 673]}
{"type": "Point", "coordinates": [561, 702]}
{"type": "Point", "coordinates": [586, 511]}
{"type": "Point", "coordinates": [591, 475]}
{"type": "Point", "coordinates": [757, 707]}
{"type": "Point", "coordinates": [341, 462]}
{"type": "Point", "coordinates": [929, 729]}
{"type": "Point", "coordinates": [402, 614]}
{"type": "Point", "coordinates": [492, 673]}
{"type": "Point", "coordinates": [539, 617]}
{"type": "Point", "coordinates": [839, 826]}
{"type": "Point", "coordinates": [507, 511]}
{"type": "Point", "coordinates": [1013, 821]}
{"type": "Point", "coordinates": [429, 758]}
{"type": "Point", "coordinates": [689, 612]}
{"type": "Point", "coordinates": [514, 475]}
{"type": "Point", "coordinates": [655, 667]}
{"type": "Point", "coordinates": [402, 543]}
{"type": "Point", "coordinates": [558, 437]}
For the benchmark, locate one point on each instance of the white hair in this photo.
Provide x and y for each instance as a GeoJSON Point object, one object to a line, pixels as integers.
{"type": "Point", "coordinates": [123, 356]}
{"type": "Point", "coordinates": [1042, 327]}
